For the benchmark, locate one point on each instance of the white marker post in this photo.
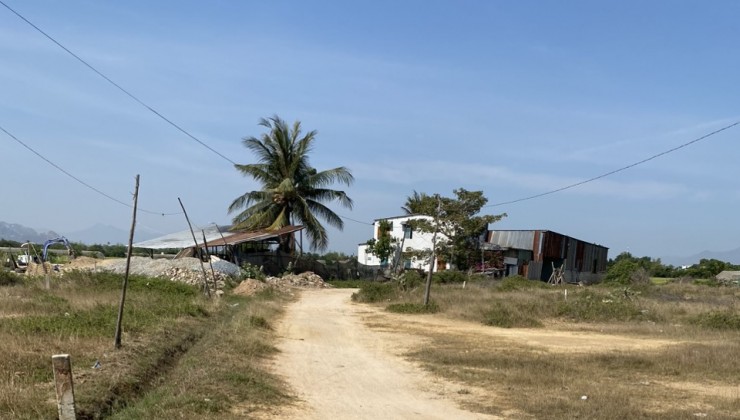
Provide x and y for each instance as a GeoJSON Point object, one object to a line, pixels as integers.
{"type": "Point", "coordinates": [64, 387]}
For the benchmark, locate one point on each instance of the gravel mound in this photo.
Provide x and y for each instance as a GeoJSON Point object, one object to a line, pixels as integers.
{"type": "Point", "coordinates": [307, 280]}
{"type": "Point", "coordinates": [185, 270]}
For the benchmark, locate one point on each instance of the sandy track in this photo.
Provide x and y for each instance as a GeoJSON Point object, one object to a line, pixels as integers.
{"type": "Point", "coordinates": [341, 369]}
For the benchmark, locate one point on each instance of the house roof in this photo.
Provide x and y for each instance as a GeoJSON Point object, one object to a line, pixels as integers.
{"type": "Point", "coordinates": [405, 216]}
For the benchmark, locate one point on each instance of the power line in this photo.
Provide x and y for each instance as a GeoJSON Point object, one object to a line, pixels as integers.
{"type": "Point", "coordinates": [129, 94]}
{"type": "Point", "coordinates": [62, 170]}
{"type": "Point", "coordinates": [624, 168]}
{"type": "Point", "coordinates": [356, 221]}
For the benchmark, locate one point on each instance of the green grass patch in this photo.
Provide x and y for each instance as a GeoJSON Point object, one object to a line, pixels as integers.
{"type": "Point", "coordinates": [373, 292]}
{"type": "Point", "coordinates": [347, 284]}
{"type": "Point", "coordinates": [513, 283]}
{"type": "Point", "coordinates": [413, 308]}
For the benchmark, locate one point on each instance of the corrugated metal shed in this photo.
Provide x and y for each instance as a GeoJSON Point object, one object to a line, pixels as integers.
{"type": "Point", "coordinates": [551, 249]}
{"type": "Point", "coordinates": [517, 239]}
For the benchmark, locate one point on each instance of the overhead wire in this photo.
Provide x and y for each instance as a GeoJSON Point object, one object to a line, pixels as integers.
{"type": "Point", "coordinates": [624, 168]}
{"type": "Point", "coordinates": [78, 180]}
{"type": "Point", "coordinates": [202, 143]}
{"type": "Point", "coordinates": [119, 87]}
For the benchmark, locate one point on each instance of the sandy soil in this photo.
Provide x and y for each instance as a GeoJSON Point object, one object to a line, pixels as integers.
{"type": "Point", "coordinates": [341, 369]}
{"type": "Point", "coordinates": [345, 360]}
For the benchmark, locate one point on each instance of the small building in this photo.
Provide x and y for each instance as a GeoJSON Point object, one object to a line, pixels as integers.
{"type": "Point", "coordinates": [406, 239]}
{"type": "Point", "coordinates": [534, 254]}
{"type": "Point", "coordinates": [273, 250]}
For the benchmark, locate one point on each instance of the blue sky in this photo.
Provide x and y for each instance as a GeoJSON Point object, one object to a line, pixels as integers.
{"type": "Point", "coordinates": [513, 98]}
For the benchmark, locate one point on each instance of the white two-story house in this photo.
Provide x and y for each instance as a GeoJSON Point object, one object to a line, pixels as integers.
{"type": "Point", "coordinates": [406, 238]}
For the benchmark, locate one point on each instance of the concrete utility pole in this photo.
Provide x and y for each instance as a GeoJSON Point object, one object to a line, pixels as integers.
{"type": "Point", "coordinates": [428, 288]}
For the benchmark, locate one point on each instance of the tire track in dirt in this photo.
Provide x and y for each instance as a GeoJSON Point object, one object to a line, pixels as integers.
{"type": "Point", "coordinates": [341, 369]}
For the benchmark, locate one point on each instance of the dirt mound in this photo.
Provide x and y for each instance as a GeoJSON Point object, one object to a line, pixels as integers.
{"type": "Point", "coordinates": [34, 269]}
{"type": "Point", "coordinates": [249, 287]}
{"type": "Point", "coordinates": [307, 280]}
{"type": "Point", "coordinates": [82, 263]}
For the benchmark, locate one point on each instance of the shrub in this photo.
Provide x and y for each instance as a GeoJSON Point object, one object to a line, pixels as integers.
{"type": "Point", "coordinates": [8, 278]}
{"type": "Point", "coordinates": [410, 279]}
{"type": "Point", "coordinates": [250, 271]}
{"type": "Point", "coordinates": [374, 292]}
{"type": "Point", "coordinates": [719, 320]}
{"type": "Point", "coordinates": [449, 276]}
{"type": "Point", "coordinates": [621, 271]}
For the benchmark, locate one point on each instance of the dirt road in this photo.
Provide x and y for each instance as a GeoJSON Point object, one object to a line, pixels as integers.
{"type": "Point", "coordinates": [340, 369]}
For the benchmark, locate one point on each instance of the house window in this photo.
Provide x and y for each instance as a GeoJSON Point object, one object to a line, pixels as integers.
{"type": "Point", "coordinates": [407, 264]}
{"type": "Point", "coordinates": [408, 232]}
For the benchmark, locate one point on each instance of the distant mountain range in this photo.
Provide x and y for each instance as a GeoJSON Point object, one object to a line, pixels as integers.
{"type": "Point", "coordinates": [20, 233]}
{"type": "Point", "coordinates": [97, 234]}
{"type": "Point", "coordinates": [731, 256]}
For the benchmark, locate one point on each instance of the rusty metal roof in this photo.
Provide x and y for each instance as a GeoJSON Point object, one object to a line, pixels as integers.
{"type": "Point", "coordinates": [235, 238]}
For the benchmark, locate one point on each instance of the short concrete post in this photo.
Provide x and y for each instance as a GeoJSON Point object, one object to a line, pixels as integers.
{"type": "Point", "coordinates": [65, 390]}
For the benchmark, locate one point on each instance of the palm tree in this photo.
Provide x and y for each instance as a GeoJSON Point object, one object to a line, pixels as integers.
{"type": "Point", "coordinates": [418, 203]}
{"type": "Point", "coordinates": [292, 190]}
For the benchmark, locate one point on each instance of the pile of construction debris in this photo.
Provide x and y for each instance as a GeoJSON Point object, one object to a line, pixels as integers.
{"type": "Point", "coordinates": [307, 280]}
{"type": "Point", "coordinates": [185, 270]}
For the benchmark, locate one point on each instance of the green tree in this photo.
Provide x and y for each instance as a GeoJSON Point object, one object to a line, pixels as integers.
{"type": "Point", "coordinates": [457, 219]}
{"type": "Point", "coordinates": [385, 245]}
{"type": "Point", "coordinates": [292, 190]}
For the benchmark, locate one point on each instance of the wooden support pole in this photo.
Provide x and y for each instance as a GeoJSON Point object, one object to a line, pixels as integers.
{"type": "Point", "coordinates": [119, 321]}
{"type": "Point", "coordinates": [64, 387]}
{"type": "Point", "coordinates": [195, 241]}
{"type": "Point", "coordinates": [205, 244]}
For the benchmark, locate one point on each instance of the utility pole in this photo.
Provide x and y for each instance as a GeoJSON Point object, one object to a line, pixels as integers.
{"type": "Point", "coordinates": [119, 321]}
{"type": "Point", "coordinates": [428, 287]}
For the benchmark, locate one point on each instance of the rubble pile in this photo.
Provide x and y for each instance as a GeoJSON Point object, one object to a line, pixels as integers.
{"type": "Point", "coordinates": [185, 270]}
{"type": "Point", "coordinates": [195, 277]}
{"type": "Point", "coordinates": [307, 280]}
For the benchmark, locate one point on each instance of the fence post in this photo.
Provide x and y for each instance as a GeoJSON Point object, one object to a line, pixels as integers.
{"type": "Point", "coordinates": [64, 387]}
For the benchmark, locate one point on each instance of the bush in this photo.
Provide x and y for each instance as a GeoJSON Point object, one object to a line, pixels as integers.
{"type": "Point", "coordinates": [410, 279]}
{"type": "Point", "coordinates": [372, 292]}
{"type": "Point", "coordinates": [250, 271]}
{"type": "Point", "coordinates": [449, 276]}
{"type": "Point", "coordinates": [722, 320]}
{"type": "Point", "coordinates": [621, 271]}
{"type": "Point", "coordinates": [8, 277]}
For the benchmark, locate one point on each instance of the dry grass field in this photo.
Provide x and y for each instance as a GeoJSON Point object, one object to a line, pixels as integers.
{"type": "Point", "coordinates": [521, 349]}
{"type": "Point", "coordinates": [183, 356]}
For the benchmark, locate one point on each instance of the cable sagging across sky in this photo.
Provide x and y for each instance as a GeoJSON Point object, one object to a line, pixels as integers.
{"type": "Point", "coordinates": [624, 168]}
{"type": "Point", "coordinates": [78, 180]}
